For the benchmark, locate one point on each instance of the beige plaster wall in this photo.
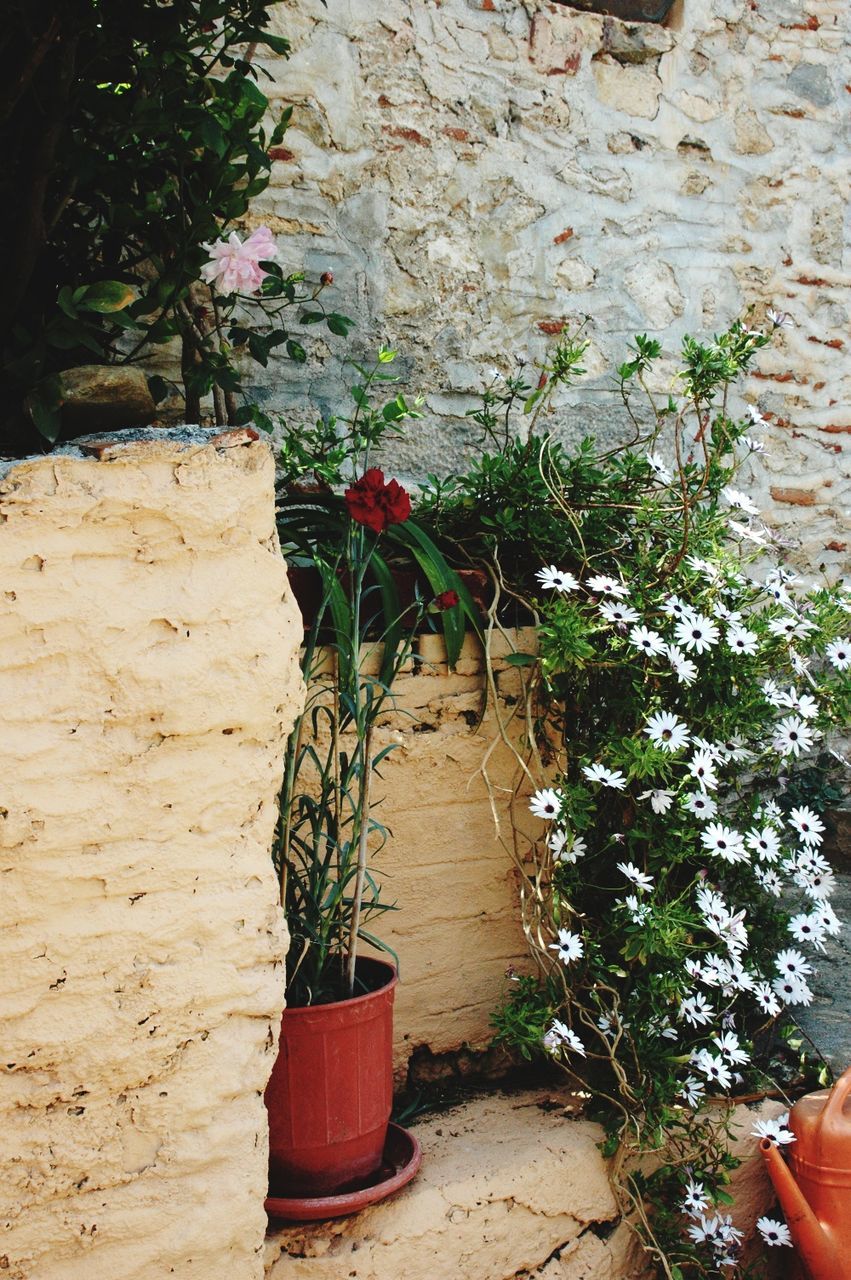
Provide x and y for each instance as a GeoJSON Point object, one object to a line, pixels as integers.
{"type": "Point", "coordinates": [148, 676]}
{"type": "Point", "coordinates": [447, 863]}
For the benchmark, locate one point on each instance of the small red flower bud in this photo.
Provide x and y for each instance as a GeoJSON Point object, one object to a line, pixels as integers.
{"type": "Point", "coordinates": [446, 600]}
{"type": "Point", "coordinates": [327, 277]}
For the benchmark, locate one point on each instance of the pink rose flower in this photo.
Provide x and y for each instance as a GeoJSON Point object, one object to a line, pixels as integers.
{"type": "Point", "coordinates": [234, 266]}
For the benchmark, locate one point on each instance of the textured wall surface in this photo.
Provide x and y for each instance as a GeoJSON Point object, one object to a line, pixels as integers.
{"type": "Point", "coordinates": [148, 678]}
{"type": "Point", "coordinates": [476, 171]}
{"type": "Point", "coordinates": [445, 865]}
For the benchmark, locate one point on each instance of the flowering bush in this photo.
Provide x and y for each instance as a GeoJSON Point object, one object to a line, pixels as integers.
{"type": "Point", "coordinates": [677, 899]}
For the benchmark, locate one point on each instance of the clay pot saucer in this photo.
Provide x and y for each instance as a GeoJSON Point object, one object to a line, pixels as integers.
{"type": "Point", "coordinates": [401, 1160]}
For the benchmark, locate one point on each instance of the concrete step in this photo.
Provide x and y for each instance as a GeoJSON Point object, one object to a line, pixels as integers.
{"type": "Point", "coordinates": [512, 1185]}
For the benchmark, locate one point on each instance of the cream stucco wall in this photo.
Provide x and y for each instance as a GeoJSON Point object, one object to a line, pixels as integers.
{"type": "Point", "coordinates": [147, 680]}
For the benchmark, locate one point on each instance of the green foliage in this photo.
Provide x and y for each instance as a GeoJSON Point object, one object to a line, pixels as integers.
{"type": "Point", "coordinates": [655, 929]}
{"type": "Point", "coordinates": [133, 136]}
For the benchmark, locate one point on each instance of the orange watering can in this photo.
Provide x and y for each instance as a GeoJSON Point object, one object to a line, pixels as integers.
{"type": "Point", "coordinates": [814, 1189]}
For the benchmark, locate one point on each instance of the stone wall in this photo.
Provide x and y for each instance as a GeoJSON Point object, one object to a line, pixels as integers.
{"type": "Point", "coordinates": [148, 679]}
{"type": "Point", "coordinates": [476, 171]}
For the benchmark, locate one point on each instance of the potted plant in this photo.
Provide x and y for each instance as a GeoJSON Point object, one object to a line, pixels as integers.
{"type": "Point", "coordinates": [330, 1093]}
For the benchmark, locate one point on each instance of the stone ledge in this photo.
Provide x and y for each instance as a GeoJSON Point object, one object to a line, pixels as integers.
{"type": "Point", "coordinates": [512, 1187]}
{"type": "Point", "coordinates": [510, 1184]}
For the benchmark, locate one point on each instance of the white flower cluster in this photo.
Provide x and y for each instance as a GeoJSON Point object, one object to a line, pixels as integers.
{"type": "Point", "coordinates": [750, 850]}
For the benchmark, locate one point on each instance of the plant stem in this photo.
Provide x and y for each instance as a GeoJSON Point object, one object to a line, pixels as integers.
{"type": "Point", "coordinates": [363, 817]}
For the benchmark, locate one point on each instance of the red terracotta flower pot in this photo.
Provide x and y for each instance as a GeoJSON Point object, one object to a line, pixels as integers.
{"type": "Point", "coordinates": [331, 1090]}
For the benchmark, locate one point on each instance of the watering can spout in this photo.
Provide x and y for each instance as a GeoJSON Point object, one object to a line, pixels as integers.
{"type": "Point", "coordinates": [814, 1248]}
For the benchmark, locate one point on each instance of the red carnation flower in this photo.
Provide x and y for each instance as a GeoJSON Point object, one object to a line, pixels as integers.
{"type": "Point", "coordinates": [446, 600]}
{"type": "Point", "coordinates": [371, 502]}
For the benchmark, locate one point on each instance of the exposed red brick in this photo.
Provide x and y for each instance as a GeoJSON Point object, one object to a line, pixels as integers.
{"type": "Point", "coordinates": [787, 262]}
{"type": "Point", "coordinates": [837, 428]}
{"type": "Point", "coordinates": [409, 135]}
{"type": "Point", "coordinates": [563, 235]}
{"type": "Point", "coordinates": [835, 343]}
{"type": "Point", "coordinates": [776, 377]}
{"type": "Point", "coordinates": [460, 135]}
{"type": "Point", "coordinates": [239, 435]}
{"type": "Point", "coordinates": [384, 101]}
{"type": "Point", "coordinates": [570, 68]}
{"type": "Point", "coordinates": [816, 280]}
{"type": "Point", "coordinates": [488, 6]}
{"type": "Point", "coordinates": [817, 386]}
{"type": "Point", "coordinates": [794, 497]}
{"type": "Point", "coordinates": [830, 448]}
{"type": "Point", "coordinates": [280, 153]}
{"type": "Point", "coordinates": [794, 113]}
{"type": "Point", "coordinates": [836, 546]}
{"type": "Point", "coordinates": [551, 326]}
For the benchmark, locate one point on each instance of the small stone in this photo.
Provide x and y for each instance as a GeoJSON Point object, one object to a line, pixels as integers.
{"type": "Point", "coordinates": [103, 397]}
{"type": "Point", "coordinates": [752, 138]}
{"type": "Point", "coordinates": [811, 81]}
{"type": "Point", "coordinates": [633, 90]}
{"type": "Point", "coordinates": [699, 108]}
{"type": "Point", "coordinates": [653, 287]}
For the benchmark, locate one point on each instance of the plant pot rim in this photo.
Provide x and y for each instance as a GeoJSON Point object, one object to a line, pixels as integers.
{"type": "Point", "coordinates": [392, 978]}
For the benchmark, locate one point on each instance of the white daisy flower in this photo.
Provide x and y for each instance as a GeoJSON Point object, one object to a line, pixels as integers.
{"type": "Point", "coordinates": [773, 1232]}
{"type": "Point", "coordinates": [839, 653]}
{"type": "Point", "coordinates": [553, 579]}
{"type": "Point", "coordinates": [702, 806]}
{"type": "Point", "coordinates": [566, 847]}
{"type": "Point", "coordinates": [753, 446]}
{"type": "Point", "coordinates": [666, 731]}
{"type": "Point", "coordinates": [793, 964]}
{"type": "Point", "coordinates": [659, 469]}
{"type": "Point", "coordinates": [793, 735]}
{"type": "Point", "coordinates": [740, 500]}
{"type": "Point", "coordinates": [602, 584]}
{"type": "Point", "coordinates": [606, 777]}
{"type": "Point", "coordinates": [807, 928]}
{"type": "Point", "coordinates": [660, 801]}
{"type": "Point", "coordinates": [639, 911]}
{"type": "Point", "coordinates": [697, 633]}
{"type": "Point", "coordinates": [674, 607]}
{"type": "Point", "coordinates": [803, 703]}
{"type": "Point", "coordinates": [546, 803]}
{"type": "Point", "coordinates": [741, 640]}
{"type": "Point", "coordinates": [808, 824]}
{"type": "Point", "coordinates": [827, 919]}
{"type": "Point", "coordinates": [776, 1130]}
{"type": "Point", "coordinates": [638, 877]}
{"type": "Point", "coordinates": [702, 769]}
{"type": "Point", "coordinates": [708, 570]}
{"type": "Point", "coordinates": [696, 1010]}
{"type": "Point", "coordinates": [728, 1046]}
{"type": "Point", "coordinates": [765, 844]}
{"type": "Point", "coordinates": [695, 1199]}
{"type": "Point", "coordinates": [614, 611]}
{"type": "Point", "coordinates": [772, 692]}
{"type": "Point", "coordinates": [725, 842]}
{"type": "Point", "coordinates": [647, 640]}
{"type": "Point", "coordinates": [705, 1229]}
{"type": "Point", "coordinates": [692, 1091]}
{"type": "Point", "coordinates": [714, 1068]}
{"type": "Point", "coordinates": [569, 946]}
{"type": "Point", "coordinates": [766, 999]}
{"type": "Point", "coordinates": [771, 811]}
{"type": "Point", "coordinates": [792, 991]}
{"type": "Point", "coordinates": [799, 665]}
{"type": "Point", "coordinates": [556, 1035]}
{"type": "Point", "coordinates": [770, 881]}
{"type": "Point", "coordinates": [755, 416]}
{"type": "Point", "coordinates": [684, 669]}
{"type": "Point", "coordinates": [780, 319]}
{"type": "Point", "coordinates": [723, 614]}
